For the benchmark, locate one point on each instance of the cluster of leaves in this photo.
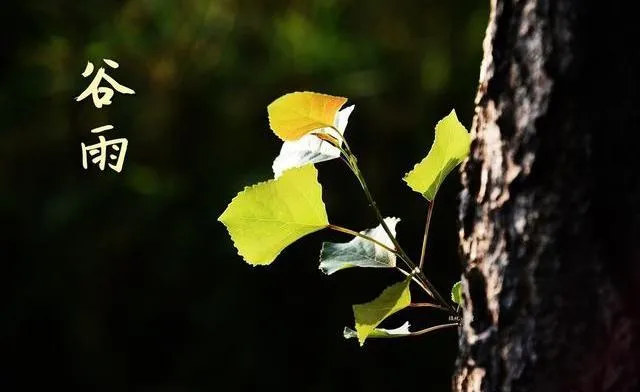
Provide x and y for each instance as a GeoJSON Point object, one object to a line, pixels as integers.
{"type": "Point", "coordinates": [265, 218]}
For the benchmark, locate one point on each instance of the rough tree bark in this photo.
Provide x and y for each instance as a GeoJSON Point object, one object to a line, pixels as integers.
{"type": "Point", "coordinates": [550, 213]}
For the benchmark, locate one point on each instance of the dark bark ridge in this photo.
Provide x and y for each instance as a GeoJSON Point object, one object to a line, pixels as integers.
{"type": "Point", "coordinates": [550, 211]}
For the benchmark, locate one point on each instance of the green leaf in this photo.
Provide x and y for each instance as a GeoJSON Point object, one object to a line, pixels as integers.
{"type": "Point", "coordinates": [450, 148]}
{"type": "Point", "coordinates": [369, 315]}
{"type": "Point", "coordinates": [265, 218]}
{"type": "Point", "coordinates": [360, 252]}
{"type": "Point", "coordinates": [402, 330]}
{"type": "Point", "coordinates": [456, 293]}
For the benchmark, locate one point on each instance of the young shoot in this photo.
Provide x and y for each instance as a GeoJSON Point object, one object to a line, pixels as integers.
{"type": "Point", "coordinates": [265, 218]}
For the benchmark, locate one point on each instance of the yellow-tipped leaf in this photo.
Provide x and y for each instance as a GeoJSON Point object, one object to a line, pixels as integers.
{"type": "Point", "coordinates": [296, 114]}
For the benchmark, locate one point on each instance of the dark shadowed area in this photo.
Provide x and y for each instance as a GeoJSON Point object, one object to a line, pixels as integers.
{"type": "Point", "coordinates": [126, 281]}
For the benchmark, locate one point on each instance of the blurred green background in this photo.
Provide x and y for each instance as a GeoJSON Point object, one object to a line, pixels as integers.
{"type": "Point", "coordinates": [117, 282]}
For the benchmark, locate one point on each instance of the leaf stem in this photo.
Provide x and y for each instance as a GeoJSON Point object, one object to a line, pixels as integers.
{"type": "Point", "coordinates": [415, 279]}
{"type": "Point", "coordinates": [427, 305]}
{"type": "Point", "coordinates": [431, 329]}
{"type": "Point", "coordinates": [419, 332]}
{"type": "Point", "coordinates": [363, 236]}
{"type": "Point", "coordinates": [403, 255]}
{"type": "Point", "coordinates": [426, 234]}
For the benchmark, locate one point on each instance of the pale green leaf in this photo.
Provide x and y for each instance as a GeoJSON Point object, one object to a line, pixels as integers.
{"type": "Point", "coordinates": [402, 330]}
{"type": "Point", "coordinates": [450, 147]}
{"type": "Point", "coordinates": [456, 293]}
{"type": "Point", "coordinates": [265, 218]}
{"type": "Point", "coordinates": [369, 315]}
{"type": "Point", "coordinates": [360, 252]}
{"type": "Point", "coordinates": [310, 148]}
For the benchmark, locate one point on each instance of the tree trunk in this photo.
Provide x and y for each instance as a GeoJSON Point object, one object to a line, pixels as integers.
{"type": "Point", "coordinates": [550, 211]}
